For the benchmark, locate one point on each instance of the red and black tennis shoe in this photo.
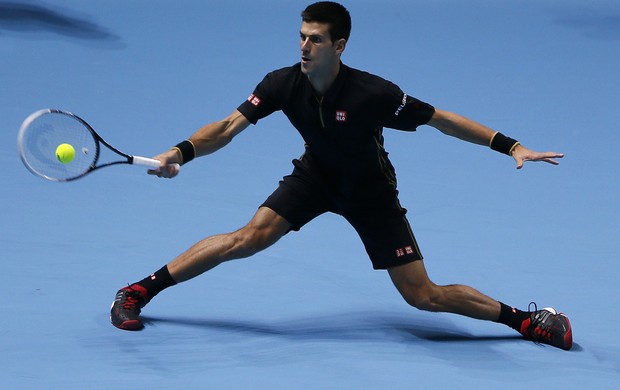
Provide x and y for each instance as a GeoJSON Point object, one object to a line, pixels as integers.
{"type": "Point", "coordinates": [125, 310]}
{"type": "Point", "coordinates": [548, 327]}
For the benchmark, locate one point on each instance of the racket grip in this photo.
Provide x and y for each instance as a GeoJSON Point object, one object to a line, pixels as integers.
{"type": "Point", "coordinates": [146, 162]}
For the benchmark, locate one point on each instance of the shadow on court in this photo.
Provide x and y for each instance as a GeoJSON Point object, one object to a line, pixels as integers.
{"type": "Point", "coordinates": [592, 22]}
{"type": "Point", "coordinates": [39, 21]}
{"type": "Point", "coordinates": [354, 326]}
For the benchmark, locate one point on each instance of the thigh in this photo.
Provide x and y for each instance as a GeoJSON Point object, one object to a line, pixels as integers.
{"type": "Point", "coordinates": [410, 276]}
{"type": "Point", "coordinates": [266, 227]}
{"type": "Point", "coordinates": [383, 227]}
{"type": "Point", "coordinates": [300, 197]}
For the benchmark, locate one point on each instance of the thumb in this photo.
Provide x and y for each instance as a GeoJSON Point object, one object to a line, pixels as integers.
{"type": "Point", "coordinates": [519, 162]}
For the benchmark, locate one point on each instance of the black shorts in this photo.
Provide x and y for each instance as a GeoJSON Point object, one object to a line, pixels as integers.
{"type": "Point", "coordinates": [375, 213]}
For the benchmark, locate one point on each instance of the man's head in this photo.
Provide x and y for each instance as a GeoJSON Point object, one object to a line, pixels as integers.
{"type": "Point", "coordinates": [324, 32]}
{"type": "Point", "coordinates": [333, 14]}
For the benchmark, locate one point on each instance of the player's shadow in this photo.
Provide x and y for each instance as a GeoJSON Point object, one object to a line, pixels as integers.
{"type": "Point", "coordinates": [361, 326]}
{"type": "Point", "coordinates": [592, 22]}
{"type": "Point", "coordinates": [354, 326]}
{"type": "Point", "coordinates": [37, 21]}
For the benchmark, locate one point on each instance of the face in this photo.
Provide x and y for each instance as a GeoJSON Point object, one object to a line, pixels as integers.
{"type": "Point", "coordinates": [318, 53]}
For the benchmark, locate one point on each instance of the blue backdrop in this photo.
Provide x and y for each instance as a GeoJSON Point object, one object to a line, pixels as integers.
{"type": "Point", "coordinates": [310, 312]}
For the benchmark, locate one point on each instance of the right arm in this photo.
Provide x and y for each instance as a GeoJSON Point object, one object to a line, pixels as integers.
{"type": "Point", "coordinates": [206, 140]}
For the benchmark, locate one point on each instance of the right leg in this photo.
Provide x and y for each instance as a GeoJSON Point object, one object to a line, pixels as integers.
{"type": "Point", "coordinates": [263, 230]}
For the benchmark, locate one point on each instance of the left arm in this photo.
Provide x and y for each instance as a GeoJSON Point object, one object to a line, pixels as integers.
{"type": "Point", "coordinates": [468, 130]}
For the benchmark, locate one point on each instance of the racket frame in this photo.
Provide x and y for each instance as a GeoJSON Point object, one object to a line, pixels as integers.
{"type": "Point", "coordinates": [129, 159]}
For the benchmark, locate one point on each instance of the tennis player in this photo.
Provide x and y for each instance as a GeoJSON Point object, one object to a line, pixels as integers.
{"type": "Point", "coordinates": [340, 112]}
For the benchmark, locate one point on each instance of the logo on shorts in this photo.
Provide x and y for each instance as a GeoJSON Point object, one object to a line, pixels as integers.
{"type": "Point", "coordinates": [254, 100]}
{"type": "Point", "coordinates": [408, 250]}
{"type": "Point", "coordinates": [341, 116]}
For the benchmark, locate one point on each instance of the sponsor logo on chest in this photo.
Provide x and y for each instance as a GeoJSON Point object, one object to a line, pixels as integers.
{"type": "Point", "coordinates": [341, 116]}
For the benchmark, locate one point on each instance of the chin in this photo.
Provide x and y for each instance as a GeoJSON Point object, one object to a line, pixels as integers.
{"type": "Point", "coordinates": [308, 67]}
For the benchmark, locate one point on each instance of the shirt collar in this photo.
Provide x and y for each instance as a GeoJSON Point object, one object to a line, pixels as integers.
{"type": "Point", "coordinates": [334, 90]}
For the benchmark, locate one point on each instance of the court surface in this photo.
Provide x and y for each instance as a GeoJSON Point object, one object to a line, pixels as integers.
{"type": "Point", "coordinates": [310, 312]}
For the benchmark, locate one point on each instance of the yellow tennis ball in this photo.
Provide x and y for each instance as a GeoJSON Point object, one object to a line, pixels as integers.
{"type": "Point", "coordinates": [65, 153]}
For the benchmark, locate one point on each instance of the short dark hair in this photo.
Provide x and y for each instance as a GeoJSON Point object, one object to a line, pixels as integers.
{"type": "Point", "coordinates": [332, 13]}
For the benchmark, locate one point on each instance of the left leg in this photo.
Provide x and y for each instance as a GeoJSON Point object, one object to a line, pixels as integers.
{"type": "Point", "coordinates": [546, 325]}
{"type": "Point", "coordinates": [381, 224]}
{"type": "Point", "coordinates": [419, 291]}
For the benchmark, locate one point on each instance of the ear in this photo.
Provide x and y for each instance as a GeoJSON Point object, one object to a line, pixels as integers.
{"type": "Point", "coordinates": [340, 45]}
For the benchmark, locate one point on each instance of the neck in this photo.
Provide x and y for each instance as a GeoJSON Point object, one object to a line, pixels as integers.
{"type": "Point", "coordinates": [322, 81]}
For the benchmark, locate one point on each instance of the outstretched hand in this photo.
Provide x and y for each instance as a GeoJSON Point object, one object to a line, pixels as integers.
{"type": "Point", "coordinates": [521, 154]}
{"type": "Point", "coordinates": [169, 165]}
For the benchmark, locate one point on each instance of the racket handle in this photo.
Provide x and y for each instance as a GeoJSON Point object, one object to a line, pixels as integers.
{"type": "Point", "coordinates": [146, 162]}
{"type": "Point", "coordinates": [150, 162]}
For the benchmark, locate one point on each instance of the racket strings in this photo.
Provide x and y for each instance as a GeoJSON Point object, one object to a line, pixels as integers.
{"type": "Point", "coordinates": [40, 138]}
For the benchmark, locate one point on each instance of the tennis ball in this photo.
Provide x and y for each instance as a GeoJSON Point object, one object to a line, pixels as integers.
{"type": "Point", "coordinates": [65, 153]}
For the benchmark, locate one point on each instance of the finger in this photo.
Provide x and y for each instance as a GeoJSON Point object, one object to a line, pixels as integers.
{"type": "Point", "coordinates": [159, 172]}
{"type": "Point", "coordinates": [172, 171]}
{"type": "Point", "coordinates": [175, 168]}
{"type": "Point", "coordinates": [550, 155]}
{"type": "Point", "coordinates": [168, 171]}
{"type": "Point", "coordinates": [519, 162]}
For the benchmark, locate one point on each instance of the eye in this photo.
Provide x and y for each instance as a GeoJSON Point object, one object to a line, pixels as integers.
{"type": "Point", "coordinates": [316, 39]}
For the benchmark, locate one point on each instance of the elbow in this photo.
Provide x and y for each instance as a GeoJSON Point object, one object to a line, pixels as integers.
{"type": "Point", "coordinates": [224, 139]}
{"type": "Point", "coordinates": [444, 121]}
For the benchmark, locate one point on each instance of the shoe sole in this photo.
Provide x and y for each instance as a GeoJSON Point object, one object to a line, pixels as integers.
{"type": "Point", "coordinates": [130, 325]}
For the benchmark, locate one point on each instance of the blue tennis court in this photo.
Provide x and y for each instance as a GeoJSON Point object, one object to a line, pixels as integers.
{"type": "Point", "coordinates": [310, 312]}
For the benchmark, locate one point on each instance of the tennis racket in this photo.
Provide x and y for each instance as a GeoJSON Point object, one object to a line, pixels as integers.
{"type": "Point", "coordinates": [44, 131]}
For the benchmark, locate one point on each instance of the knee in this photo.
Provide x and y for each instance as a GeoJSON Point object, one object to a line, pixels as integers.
{"type": "Point", "coordinates": [263, 230]}
{"type": "Point", "coordinates": [248, 241]}
{"type": "Point", "coordinates": [427, 298]}
{"type": "Point", "coordinates": [243, 243]}
{"type": "Point", "coordinates": [418, 290]}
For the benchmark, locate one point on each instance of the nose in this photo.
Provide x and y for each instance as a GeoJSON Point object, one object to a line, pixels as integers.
{"type": "Point", "coordinates": [303, 43]}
